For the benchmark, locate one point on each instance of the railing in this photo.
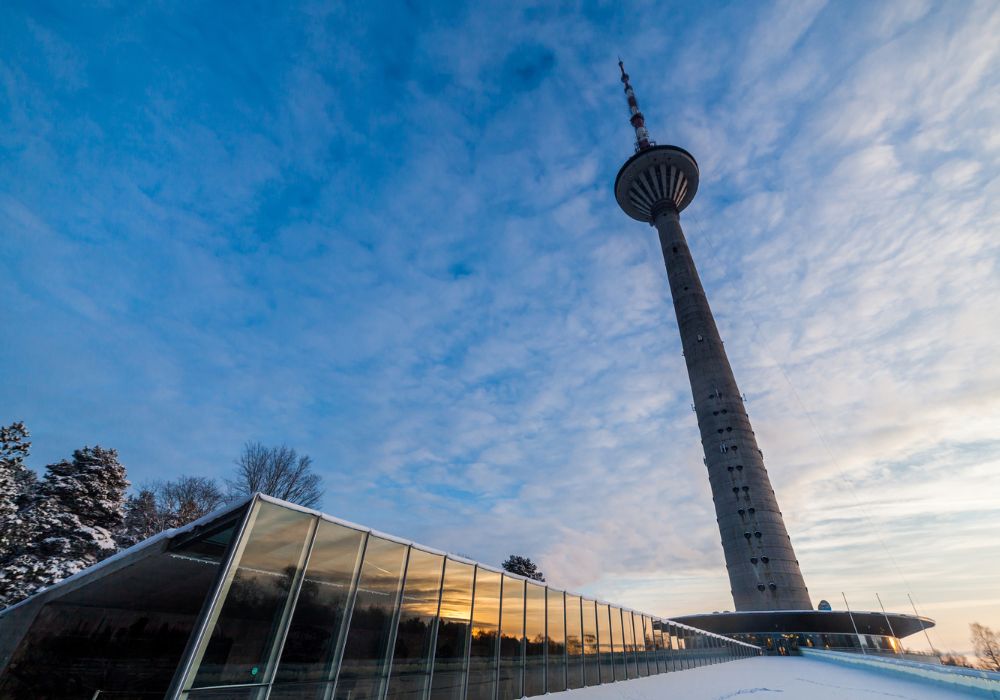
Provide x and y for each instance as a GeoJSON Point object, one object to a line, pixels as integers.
{"type": "Point", "coordinates": [984, 683]}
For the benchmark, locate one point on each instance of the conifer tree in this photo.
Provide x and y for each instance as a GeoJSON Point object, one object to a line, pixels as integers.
{"type": "Point", "coordinates": [69, 524]}
{"type": "Point", "coordinates": [17, 484]}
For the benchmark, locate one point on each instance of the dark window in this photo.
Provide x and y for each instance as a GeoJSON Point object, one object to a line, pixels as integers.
{"type": "Point", "coordinates": [555, 673]}
{"type": "Point", "coordinates": [618, 643]}
{"type": "Point", "coordinates": [483, 646]}
{"type": "Point", "coordinates": [534, 637]}
{"type": "Point", "coordinates": [574, 643]}
{"type": "Point", "coordinates": [240, 645]}
{"type": "Point", "coordinates": [511, 639]}
{"type": "Point", "coordinates": [123, 635]}
{"type": "Point", "coordinates": [590, 650]}
{"type": "Point", "coordinates": [366, 654]}
{"type": "Point", "coordinates": [453, 631]}
{"type": "Point", "coordinates": [415, 631]}
{"type": "Point", "coordinates": [319, 613]}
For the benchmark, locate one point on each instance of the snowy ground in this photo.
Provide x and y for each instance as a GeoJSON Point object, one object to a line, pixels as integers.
{"type": "Point", "coordinates": [770, 677]}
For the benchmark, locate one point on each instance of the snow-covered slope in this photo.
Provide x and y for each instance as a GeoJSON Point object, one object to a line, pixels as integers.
{"type": "Point", "coordinates": [782, 678]}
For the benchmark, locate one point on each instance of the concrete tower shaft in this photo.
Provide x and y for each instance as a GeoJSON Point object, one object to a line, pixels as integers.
{"type": "Point", "coordinates": [654, 186]}
{"type": "Point", "coordinates": [763, 571]}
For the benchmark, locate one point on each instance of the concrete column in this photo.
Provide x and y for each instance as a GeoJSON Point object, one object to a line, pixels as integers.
{"type": "Point", "coordinates": [763, 571]}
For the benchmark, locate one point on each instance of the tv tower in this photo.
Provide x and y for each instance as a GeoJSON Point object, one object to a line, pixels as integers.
{"type": "Point", "coordinates": [654, 186]}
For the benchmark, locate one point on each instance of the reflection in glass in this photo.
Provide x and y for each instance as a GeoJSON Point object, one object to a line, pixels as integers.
{"type": "Point", "coordinates": [555, 669]}
{"type": "Point", "coordinates": [534, 640]}
{"type": "Point", "coordinates": [659, 645]}
{"type": "Point", "coordinates": [574, 643]}
{"type": "Point", "coordinates": [319, 612]}
{"type": "Point", "coordinates": [411, 660]}
{"type": "Point", "coordinates": [122, 635]}
{"type": "Point", "coordinates": [629, 644]}
{"type": "Point", "coordinates": [483, 641]}
{"type": "Point", "coordinates": [617, 643]}
{"type": "Point", "coordinates": [366, 653]}
{"type": "Point", "coordinates": [241, 643]}
{"type": "Point", "coordinates": [592, 674]}
{"type": "Point", "coordinates": [511, 639]}
{"type": "Point", "coordinates": [448, 678]}
{"type": "Point", "coordinates": [640, 645]}
{"type": "Point", "coordinates": [604, 640]}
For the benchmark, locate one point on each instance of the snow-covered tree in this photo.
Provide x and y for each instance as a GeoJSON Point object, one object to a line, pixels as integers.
{"type": "Point", "coordinates": [17, 483]}
{"type": "Point", "coordinates": [523, 566]}
{"type": "Point", "coordinates": [69, 524]}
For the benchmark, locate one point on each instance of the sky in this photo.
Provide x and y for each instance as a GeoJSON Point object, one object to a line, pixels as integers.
{"type": "Point", "coordinates": [385, 234]}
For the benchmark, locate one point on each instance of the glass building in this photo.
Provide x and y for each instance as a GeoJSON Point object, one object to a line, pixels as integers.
{"type": "Point", "coordinates": [269, 600]}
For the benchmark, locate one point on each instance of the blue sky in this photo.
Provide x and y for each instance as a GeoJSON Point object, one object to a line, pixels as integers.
{"type": "Point", "coordinates": [385, 234]}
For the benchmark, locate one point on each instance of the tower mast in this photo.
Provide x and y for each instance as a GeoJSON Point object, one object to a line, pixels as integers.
{"type": "Point", "coordinates": [654, 186]}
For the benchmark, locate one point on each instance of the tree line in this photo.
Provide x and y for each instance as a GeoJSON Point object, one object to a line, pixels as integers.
{"type": "Point", "coordinates": [82, 510]}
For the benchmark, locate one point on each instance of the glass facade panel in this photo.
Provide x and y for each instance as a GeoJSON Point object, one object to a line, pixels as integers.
{"type": "Point", "coordinates": [319, 613]}
{"type": "Point", "coordinates": [591, 668]}
{"type": "Point", "coordinates": [366, 653]}
{"type": "Point", "coordinates": [483, 642]}
{"type": "Point", "coordinates": [448, 679]}
{"type": "Point", "coordinates": [660, 656]}
{"type": "Point", "coordinates": [642, 634]}
{"type": "Point", "coordinates": [512, 640]}
{"type": "Point", "coordinates": [555, 669]}
{"type": "Point", "coordinates": [121, 635]}
{"type": "Point", "coordinates": [534, 640]}
{"type": "Point", "coordinates": [607, 665]}
{"type": "Point", "coordinates": [574, 643]}
{"type": "Point", "coordinates": [242, 640]}
{"type": "Point", "coordinates": [410, 674]}
{"type": "Point", "coordinates": [629, 644]}
{"type": "Point", "coordinates": [618, 644]}
{"type": "Point", "coordinates": [373, 619]}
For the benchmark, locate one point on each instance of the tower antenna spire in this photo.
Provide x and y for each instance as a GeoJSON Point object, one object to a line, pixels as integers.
{"type": "Point", "coordinates": [638, 121]}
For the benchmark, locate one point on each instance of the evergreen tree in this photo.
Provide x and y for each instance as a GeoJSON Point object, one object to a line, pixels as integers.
{"type": "Point", "coordinates": [17, 484]}
{"type": "Point", "coordinates": [68, 525]}
{"type": "Point", "coordinates": [523, 566]}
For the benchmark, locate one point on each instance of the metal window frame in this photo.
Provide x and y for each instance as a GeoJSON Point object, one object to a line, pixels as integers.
{"type": "Point", "coordinates": [390, 652]}
{"type": "Point", "coordinates": [333, 674]}
{"type": "Point", "coordinates": [290, 602]}
{"type": "Point", "coordinates": [468, 634]}
{"type": "Point", "coordinates": [209, 613]}
{"type": "Point", "coordinates": [432, 655]}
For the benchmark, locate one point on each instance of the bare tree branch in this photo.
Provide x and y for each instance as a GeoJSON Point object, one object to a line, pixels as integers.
{"type": "Point", "coordinates": [278, 472]}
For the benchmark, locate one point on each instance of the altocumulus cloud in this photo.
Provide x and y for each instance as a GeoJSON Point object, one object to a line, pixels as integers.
{"type": "Point", "coordinates": [389, 240]}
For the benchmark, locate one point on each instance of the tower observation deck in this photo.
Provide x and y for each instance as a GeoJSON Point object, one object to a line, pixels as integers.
{"type": "Point", "coordinates": [654, 186]}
